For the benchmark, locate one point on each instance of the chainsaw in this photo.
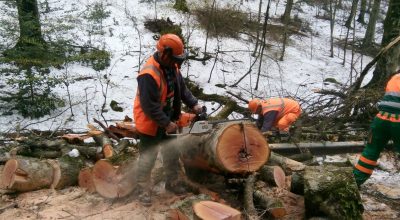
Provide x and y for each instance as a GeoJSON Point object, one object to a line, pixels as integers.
{"type": "Point", "coordinates": [190, 123]}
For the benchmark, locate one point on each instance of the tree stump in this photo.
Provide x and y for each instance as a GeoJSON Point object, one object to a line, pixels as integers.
{"type": "Point", "coordinates": [331, 191]}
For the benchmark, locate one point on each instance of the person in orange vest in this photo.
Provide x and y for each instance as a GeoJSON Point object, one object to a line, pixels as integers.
{"type": "Point", "coordinates": [160, 93]}
{"type": "Point", "coordinates": [384, 127]}
{"type": "Point", "coordinates": [277, 113]}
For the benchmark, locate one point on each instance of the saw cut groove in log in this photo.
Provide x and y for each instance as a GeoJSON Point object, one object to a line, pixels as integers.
{"type": "Point", "coordinates": [215, 211]}
{"type": "Point", "coordinates": [234, 147]}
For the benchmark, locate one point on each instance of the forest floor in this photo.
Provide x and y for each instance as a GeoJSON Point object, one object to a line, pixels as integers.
{"type": "Point", "coordinates": [381, 201]}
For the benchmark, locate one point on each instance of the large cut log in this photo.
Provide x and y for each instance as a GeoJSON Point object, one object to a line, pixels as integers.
{"type": "Point", "coordinates": [331, 191]}
{"type": "Point", "coordinates": [27, 174]}
{"type": "Point", "coordinates": [234, 147]}
{"type": "Point", "coordinates": [113, 181]}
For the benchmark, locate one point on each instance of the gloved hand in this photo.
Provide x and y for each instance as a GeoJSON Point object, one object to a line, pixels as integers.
{"type": "Point", "coordinates": [171, 127]}
{"type": "Point", "coordinates": [197, 109]}
{"type": "Point", "coordinates": [267, 133]}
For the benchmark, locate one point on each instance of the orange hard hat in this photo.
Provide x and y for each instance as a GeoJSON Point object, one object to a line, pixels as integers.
{"type": "Point", "coordinates": [173, 44]}
{"type": "Point", "coordinates": [253, 105]}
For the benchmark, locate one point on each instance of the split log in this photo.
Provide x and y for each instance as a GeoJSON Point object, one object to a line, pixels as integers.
{"type": "Point", "coordinates": [215, 211]}
{"type": "Point", "coordinates": [273, 175]}
{"type": "Point", "coordinates": [28, 174]}
{"type": "Point", "coordinates": [287, 164]}
{"type": "Point", "coordinates": [234, 147]}
{"type": "Point", "coordinates": [331, 191]}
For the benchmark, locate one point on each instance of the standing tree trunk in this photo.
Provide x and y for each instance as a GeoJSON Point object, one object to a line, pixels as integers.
{"type": "Point", "coordinates": [286, 20]}
{"type": "Point", "coordinates": [370, 32]}
{"type": "Point", "coordinates": [258, 31]}
{"type": "Point", "coordinates": [263, 43]}
{"type": "Point", "coordinates": [288, 10]}
{"type": "Point", "coordinates": [30, 32]}
{"type": "Point", "coordinates": [352, 13]}
{"type": "Point", "coordinates": [332, 9]}
{"type": "Point", "coordinates": [389, 62]}
{"type": "Point", "coordinates": [363, 9]}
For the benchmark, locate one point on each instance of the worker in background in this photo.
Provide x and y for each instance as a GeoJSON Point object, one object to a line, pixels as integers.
{"type": "Point", "coordinates": [157, 106]}
{"type": "Point", "coordinates": [277, 113]}
{"type": "Point", "coordinates": [384, 127]}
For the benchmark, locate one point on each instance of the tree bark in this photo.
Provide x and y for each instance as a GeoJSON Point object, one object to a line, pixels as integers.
{"type": "Point", "coordinates": [352, 13]}
{"type": "Point", "coordinates": [288, 165]}
{"type": "Point", "coordinates": [29, 23]}
{"type": "Point", "coordinates": [331, 191]}
{"type": "Point", "coordinates": [369, 37]}
{"type": "Point", "coordinates": [274, 206]}
{"type": "Point", "coordinates": [363, 9]}
{"type": "Point", "coordinates": [234, 147]}
{"type": "Point", "coordinates": [389, 62]}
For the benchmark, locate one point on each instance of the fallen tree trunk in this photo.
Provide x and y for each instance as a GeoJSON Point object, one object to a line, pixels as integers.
{"type": "Point", "coordinates": [235, 147]}
{"type": "Point", "coordinates": [27, 174]}
{"type": "Point", "coordinates": [287, 164]}
{"type": "Point", "coordinates": [331, 191]}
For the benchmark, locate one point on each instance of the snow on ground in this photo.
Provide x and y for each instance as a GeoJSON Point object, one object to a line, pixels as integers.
{"type": "Point", "coordinates": [306, 65]}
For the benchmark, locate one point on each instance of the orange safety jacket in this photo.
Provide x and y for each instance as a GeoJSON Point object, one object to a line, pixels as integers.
{"type": "Point", "coordinates": [389, 105]}
{"type": "Point", "coordinates": [283, 106]}
{"type": "Point", "coordinates": [144, 124]}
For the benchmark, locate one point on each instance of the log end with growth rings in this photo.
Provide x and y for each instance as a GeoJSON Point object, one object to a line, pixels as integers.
{"type": "Point", "coordinates": [242, 148]}
{"type": "Point", "coordinates": [8, 175]}
{"type": "Point", "coordinates": [86, 179]}
{"type": "Point", "coordinates": [215, 211]}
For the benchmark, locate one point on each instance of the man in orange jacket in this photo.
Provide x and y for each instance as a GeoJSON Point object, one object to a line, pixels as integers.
{"type": "Point", "coordinates": [275, 112]}
{"type": "Point", "coordinates": [384, 127]}
{"type": "Point", "coordinates": [157, 106]}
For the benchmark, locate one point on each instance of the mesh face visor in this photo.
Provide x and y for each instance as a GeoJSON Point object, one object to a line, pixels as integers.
{"type": "Point", "coordinates": [180, 58]}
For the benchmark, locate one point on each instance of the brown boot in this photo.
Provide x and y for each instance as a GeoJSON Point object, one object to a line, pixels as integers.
{"type": "Point", "coordinates": [176, 187]}
{"type": "Point", "coordinates": [145, 198]}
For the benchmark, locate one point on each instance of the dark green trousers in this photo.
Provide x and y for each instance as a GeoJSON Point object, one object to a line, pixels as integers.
{"type": "Point", "coordinates": [380, 133]}
{"type": "Point", "coordinates": [149, 146]}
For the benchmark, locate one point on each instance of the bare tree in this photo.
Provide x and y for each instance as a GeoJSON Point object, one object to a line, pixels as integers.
{"type": "Point", "coordinates": [390, 61]}
{"type": "Point", "coordinates": [263, 42]}
{"type": "Point", "coordinates": [363, 9]}
{"type": "Point", "coordinates": [370, 32]}
{"type": "Point", "coordinates": [352, 13]}
{"type": "Point", "coordinates": [332, 9]}
{"type": "Point", "coordinates": [258, 31]}
{"type": "Point", "coordinates": [286, 21]}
